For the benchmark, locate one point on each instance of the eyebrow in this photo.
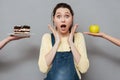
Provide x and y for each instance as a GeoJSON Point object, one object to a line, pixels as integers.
{"type": "Point", "coordinates": [65, 12]}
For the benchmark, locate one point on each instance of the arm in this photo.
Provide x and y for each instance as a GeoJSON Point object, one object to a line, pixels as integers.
{"type": "Point", "coordinates": [44, 49]}
{"type": "Point", "coordinates": [111, 39]}
{"type": "Point", "coordinates": [105, 36]}
{"type": "Point", "coordinates": [51, 54]}
{"type": "Point", "coordinates": [9, 39]}
{"type": "Point", "coordinates": [4, 42]}
{"type": "Point", "coordinates": [83, 63]}
{"type": "Point", "coordinates": [74, 50]}
{"type": "Point", "coordinates": [78, 49]}
{"type": "Point", "coordinates": [47, 52]}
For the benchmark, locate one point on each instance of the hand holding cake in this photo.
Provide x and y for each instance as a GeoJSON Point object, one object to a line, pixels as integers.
{"type": "Point", "coordinates": [9, 39]}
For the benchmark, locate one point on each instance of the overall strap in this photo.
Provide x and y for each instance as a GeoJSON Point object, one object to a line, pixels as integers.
{"type": "Point", "coordinates": [53, 39]}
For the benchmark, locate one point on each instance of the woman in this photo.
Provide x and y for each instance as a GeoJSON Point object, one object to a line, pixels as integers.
{"type": "Point", "coordinates": [105, 36]}
{"type": "Point", "coordinates": [63, 53]}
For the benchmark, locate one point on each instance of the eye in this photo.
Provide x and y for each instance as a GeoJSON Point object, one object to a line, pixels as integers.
{"type": "Point", "coordinates": [67, 16]}
{"type": "Point", "coordinates": [58, 16]}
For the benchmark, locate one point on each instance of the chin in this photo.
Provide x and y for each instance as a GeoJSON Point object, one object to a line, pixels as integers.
{"type": "Point", "coordinates": [64, 32]}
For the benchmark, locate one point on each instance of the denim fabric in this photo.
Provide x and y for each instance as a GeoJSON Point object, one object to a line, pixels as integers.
{"type": "Point", "coordinates": [62, 67]}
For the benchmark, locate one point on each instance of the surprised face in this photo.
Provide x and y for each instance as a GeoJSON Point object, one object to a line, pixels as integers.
{"type": "Point", "coordinates": [63, 20]}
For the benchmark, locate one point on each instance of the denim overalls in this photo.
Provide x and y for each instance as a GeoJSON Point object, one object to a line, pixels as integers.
{"type": "Point", "coordinates": [62, 67]}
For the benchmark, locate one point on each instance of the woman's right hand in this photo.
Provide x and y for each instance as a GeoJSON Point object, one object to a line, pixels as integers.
{"type": "Point", "coordinates": [55, 33]}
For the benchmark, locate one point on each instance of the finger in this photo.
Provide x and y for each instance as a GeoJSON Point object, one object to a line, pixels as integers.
{"type": "Point", "coordinates": [51, 28]}
{"type": "Point", "coordinates": [86, 32]}
{"type": "Point", "coordinates": [74, 28]}
{"type": "Point", "coordinates": [92, 34]}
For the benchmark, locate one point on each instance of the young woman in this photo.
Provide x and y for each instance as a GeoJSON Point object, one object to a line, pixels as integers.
{"type": "Point", "coordinates": [105, 36]}
{"type": "Point", "coordinates": [63, 54]}
{"type": "Point", "coordinates": [8, 39]}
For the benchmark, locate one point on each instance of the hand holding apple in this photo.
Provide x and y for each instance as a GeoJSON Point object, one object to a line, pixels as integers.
{"type": "Point", "coordinates": [94, 28]}
{"type": "Point", "coordinates": [100, 34]}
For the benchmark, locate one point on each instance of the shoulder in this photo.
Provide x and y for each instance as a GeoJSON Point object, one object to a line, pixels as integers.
{"type": "Point", "coordinates": [78, 34]}
{"type": "Point", "coordinates": [46, 39]}
{"type": "Point", "coordinates": [46, 35]}
{"type": "Point", "coordinates": [79, 39]}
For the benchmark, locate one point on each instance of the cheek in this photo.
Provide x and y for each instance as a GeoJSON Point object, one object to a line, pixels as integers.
{"type": "Point", "coordinates": [57, 23]}
{"type": "Point", "coordinates": [70, 20]}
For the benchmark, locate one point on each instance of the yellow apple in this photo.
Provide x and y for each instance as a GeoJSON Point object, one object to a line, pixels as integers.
{"type": "Point", "coordinates": [94, 28]}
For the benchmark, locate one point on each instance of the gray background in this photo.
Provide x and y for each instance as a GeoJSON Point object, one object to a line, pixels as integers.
{"type": "Point", "coordinates": [18, 59]}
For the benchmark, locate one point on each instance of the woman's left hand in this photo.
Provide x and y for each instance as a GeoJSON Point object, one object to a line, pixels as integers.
{"type": "Point", "coordinates": [73, 29]}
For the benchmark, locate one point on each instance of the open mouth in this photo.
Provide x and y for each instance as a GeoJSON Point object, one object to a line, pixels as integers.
{"type": "Point", "coordinates": [63, 26]}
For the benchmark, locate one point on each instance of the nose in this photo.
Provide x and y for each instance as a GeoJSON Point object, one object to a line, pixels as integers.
{"type": "Point", "coordinates": [62, 19]}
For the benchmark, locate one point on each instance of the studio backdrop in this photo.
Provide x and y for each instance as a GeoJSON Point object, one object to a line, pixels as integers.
{"type": "Point", "coordinates": [19, 59]}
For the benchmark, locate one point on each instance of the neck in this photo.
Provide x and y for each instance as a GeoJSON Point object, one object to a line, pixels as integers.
{"type": "Point", "coordinates": [64, 34]}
